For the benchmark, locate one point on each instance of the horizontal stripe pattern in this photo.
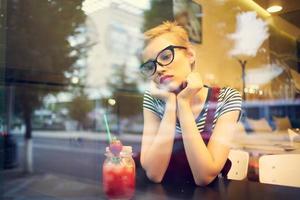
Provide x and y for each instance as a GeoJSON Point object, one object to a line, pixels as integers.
{"type": "Point", "coordinates": [229, 100]}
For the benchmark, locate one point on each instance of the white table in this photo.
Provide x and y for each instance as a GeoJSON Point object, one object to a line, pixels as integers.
{"type": "Point", "coordinates": [276, 142]}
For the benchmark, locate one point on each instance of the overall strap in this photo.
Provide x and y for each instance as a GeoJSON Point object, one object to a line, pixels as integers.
{"type": "Point", "coordinates": [207, 130]}
{"type": "Point", "coordinates": [212, 106]}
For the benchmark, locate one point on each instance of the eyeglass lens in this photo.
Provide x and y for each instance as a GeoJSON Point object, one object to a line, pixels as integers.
{"type": "Point", "coordinates": [148, 68]}
{"type": "Point", "coordinates": [164, 58]}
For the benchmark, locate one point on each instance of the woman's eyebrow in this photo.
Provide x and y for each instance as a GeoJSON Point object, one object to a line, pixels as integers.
{"type": "Point", "coordinates": [148, 59]}
{"type": "Point", "coordinates": [152, 57]}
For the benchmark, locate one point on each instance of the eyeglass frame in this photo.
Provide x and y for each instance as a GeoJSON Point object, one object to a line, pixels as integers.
{"type": "Point", "coordinates": [171, 48]}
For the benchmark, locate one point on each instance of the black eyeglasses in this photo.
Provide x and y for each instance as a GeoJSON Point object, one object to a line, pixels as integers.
{"type": "Point", "coordinates": [163, 58]}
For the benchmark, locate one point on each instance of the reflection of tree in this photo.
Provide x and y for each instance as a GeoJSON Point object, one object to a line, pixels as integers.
{"type": "Point", "coordinates": [247, 45]}
{"type": "Point", "coordinates": [79, 108]}
{"type": "Point", "coordinates": [160, 10]}
{"type": "Point", "coordinates": [120, 80]}
{"type": "Point", "coordinates": [38, 50]}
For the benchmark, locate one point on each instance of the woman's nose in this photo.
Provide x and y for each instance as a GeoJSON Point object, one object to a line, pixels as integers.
{"type": "Point", "coordinates": [160, 69]}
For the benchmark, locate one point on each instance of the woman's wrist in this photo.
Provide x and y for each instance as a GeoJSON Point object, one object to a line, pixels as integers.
{"type": "Point", "coordinates": [183, 106]}
{"type": "Point", "coordinates": [182, 102]}
{"type": "Point", "coordinates": [171, 102]}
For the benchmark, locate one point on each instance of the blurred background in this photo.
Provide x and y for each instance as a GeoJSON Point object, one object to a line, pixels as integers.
{"type": "Point", "coordinates": [63, 64]}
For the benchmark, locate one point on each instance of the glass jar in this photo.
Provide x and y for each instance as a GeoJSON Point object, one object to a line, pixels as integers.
{"type": "Point", "coordinates": [253, 168]}
{"type": "Point", "coordinates": [119, 174]}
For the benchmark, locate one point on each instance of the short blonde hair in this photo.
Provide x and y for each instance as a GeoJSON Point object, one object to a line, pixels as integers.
{"type": "Point", "coordinates": [167, 27]}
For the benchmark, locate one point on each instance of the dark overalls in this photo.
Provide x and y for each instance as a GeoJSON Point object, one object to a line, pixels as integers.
{"type": "Point", "coordinates": [179, 170]}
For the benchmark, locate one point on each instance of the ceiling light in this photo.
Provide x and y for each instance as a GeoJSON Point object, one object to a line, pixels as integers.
{"type": "Point", "coordinates": [273, 9]}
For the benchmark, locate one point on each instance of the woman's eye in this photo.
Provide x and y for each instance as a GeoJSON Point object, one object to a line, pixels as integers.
{"type": "Point", "coordinates": [166, 56]}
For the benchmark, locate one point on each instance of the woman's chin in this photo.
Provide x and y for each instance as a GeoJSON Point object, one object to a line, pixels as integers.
{"type": "Point", "coordinates": [173, 87]}
{"type": "Point", "coordinates": [176, 89]}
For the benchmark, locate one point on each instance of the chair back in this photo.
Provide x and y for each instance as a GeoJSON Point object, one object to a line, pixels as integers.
{"type": "Point", "coordinates": [283, 169]}
{"type": "Point", "coordinates": [239, 164]}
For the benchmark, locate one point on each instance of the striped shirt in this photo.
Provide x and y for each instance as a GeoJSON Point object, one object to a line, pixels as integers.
{"type": "Point", "coordinates": [229, 99]}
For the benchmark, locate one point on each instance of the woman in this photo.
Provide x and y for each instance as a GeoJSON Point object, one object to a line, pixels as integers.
{"type": "Point", "coordinates": [187, 126]}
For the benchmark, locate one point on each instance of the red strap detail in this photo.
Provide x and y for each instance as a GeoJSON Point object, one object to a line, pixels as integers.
{"type": "Point", "coordinates": [212, 106]}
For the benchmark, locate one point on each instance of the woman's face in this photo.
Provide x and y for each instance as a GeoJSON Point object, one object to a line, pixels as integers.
{"type": "Point", "coordinates": [172, 76]}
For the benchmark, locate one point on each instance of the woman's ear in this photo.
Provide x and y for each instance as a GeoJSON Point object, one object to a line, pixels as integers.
{"type": "Point", "coordinates": [191, 54]}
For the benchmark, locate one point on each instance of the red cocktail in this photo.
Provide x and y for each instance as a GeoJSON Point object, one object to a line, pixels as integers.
{"type": "Point", "coordinates": [119, 174]}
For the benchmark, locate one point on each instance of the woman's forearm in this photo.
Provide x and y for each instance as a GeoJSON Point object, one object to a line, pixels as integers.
{"type": "Point", "coordinates": [199, 158]}
{"type": "Point", "coordinates": [157, 157]}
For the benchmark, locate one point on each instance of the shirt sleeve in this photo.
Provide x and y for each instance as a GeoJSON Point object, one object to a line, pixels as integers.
{"type": "Point", "coordinates": [232, 101]}
{"type": "Point", "coordinates": [150, 103]}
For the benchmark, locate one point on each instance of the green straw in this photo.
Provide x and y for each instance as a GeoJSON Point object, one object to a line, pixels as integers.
{"type": "Point", "coordinates": [107, 128]}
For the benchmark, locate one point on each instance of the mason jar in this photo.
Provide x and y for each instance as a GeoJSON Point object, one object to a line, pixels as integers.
{"type": "Point", "coordinates": [118, 174]}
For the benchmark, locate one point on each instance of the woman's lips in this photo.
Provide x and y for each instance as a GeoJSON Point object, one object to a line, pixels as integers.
{"type": "Point", "coordinates": [165, 78]}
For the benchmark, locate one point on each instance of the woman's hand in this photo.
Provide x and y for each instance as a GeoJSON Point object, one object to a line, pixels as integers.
{"type": "Point", "coordinates": [193, 85]}
{"type": "Point", "coordinates": [161, 93]}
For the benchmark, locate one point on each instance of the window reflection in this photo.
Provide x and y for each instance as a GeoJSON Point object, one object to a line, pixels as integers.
{"type": "Point", "coordinates": [66, 63]}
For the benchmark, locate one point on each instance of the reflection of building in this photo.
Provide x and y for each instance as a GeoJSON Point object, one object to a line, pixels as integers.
{"type": "Point", "coordinates": [115, 31]}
